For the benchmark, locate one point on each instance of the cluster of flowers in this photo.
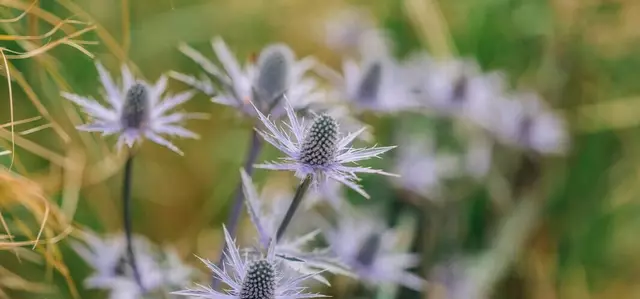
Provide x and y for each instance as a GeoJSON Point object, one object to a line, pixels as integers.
{"type": "Point", "coordinates": [277, 86]}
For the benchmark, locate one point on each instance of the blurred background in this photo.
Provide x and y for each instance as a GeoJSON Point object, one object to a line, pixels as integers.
{"type": "Point", "coordinates": [536, 226]}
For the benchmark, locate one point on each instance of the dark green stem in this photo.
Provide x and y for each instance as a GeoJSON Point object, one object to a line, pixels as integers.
{"type": "Point", "coordinates": [297, 198]}
{"type": "Point", "coordinates": [126, 211]}
{"type": "Point", "coordinates": [238, 199]}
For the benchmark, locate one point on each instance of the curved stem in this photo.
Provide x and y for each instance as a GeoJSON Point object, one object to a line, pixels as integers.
{"type": "Point", "coordinates": [238, 199]}
{"type": "Point", "coordinates": [126, 211]}
{"type": "Point", "coordinates": [297, 198]}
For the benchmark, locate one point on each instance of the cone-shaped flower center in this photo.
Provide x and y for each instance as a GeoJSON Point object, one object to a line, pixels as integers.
{"type": "Point", "coordinates": [274, 64]}
{"type": "Point", "coordinates": [370, 84]}
{"type": "Point", "coordinates": [369, 250]}
{"type": "Point", "coordinates": [135, 111]}
{"type": "Point", "coordinates": [524, 130]}
{"type": "Point", "coordinates": [460, 89]}
{"type": "Point", "coordinates": [319, 146]}
{"type": "Point", "coordinates": [260, 281]}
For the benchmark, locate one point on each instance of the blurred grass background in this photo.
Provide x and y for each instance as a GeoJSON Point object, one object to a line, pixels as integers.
{"type": "Point", "coordinates": [583, 56]}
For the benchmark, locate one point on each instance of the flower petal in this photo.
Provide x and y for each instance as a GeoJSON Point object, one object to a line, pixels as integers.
{"type": "Point", "coordinates": [111, 89]}
{"type": "Point", "coordinates": [91, 106]}
{"type": "Point", "coordinates": [161, 141]}
{"type": "Point", "coordinates": [171, 102]}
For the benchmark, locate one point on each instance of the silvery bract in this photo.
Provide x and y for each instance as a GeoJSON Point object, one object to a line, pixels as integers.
{"type": "Point", "coordinates": [257, 278]}
{"type": "Point", "coordinates": [137, 110]}
{"type": "Point", "coordinates": [318, 150]}
{"type": "Point", "coordinates": [277, 73]}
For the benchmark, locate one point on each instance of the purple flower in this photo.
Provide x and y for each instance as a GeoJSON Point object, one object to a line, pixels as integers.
{"type": "Point", "coordinates": [137, 110]}
{"type": "Point", "coordinates": [276, 74]}
{"type": "Point", "coordinates": [319, 150]}
{"type": "Point", "coordinates": [256, 278]}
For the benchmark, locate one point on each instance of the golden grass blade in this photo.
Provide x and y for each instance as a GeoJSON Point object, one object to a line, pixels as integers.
{"type": "Point", "coordinates": [43, 36]}
{"type": "Point", "coordinates": [36, 129]}
{"type": "Point", "coordinates": [20, 122]}
{"type": "Point", "coordinates": [39, 12]}
{"type": "Point", "coordinates": [49, 46]}
{"type": "Point", "coordinates": [34, 148]}
{"type": "Point", "coordinates": [428, 20]}
{"type": "Point", "coordinates": [13, 141]}
{"type": "Point", "coordinates": [72, 181]}
{"type": "Point", "coordinates": [109, 41]}
{"type": "Point", "coordinates": [609, 115]}
{"type": "Point", "coordinates": [17, 76]}
{"type": "Point", "coordinates": [22, 15]}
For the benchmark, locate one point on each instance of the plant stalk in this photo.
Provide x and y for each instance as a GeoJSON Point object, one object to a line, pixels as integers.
{"type": "Point", "coordinates": [238, 199]}
{"type": "Point", "coordinates": [126, 211]}
{"type": "Point", "coordinates": [297, 199]}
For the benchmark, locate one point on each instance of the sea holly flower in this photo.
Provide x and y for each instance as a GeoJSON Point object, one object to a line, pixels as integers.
{"type": "Point", "coordinates": [159, 269]}
{"type": "Point", "coordinates": [454, 88]}
{"type": "Point", "coordinates": [137, 110]}
{"type": "Point", "coordinates": [276, 73]}
{"type": "Point", "coordinates": [525, 121]}
{"type": "Point", "coordinates": [367, 250]}
{"type": "Point", "coordinates": [260, 277]}
{"type": "Point", "coordinates": [422, 170]}
{"type": "Point", "coordinates": [318, 150]}
{"type": "Point", "coordinates": [377, 84]}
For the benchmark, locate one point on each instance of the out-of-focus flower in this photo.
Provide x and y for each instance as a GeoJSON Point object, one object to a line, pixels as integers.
{"type": "Point", "coordinates": [103, 255]}
{"type": "Point", "coordinates": [138, 110]}
{"type": "Point", "coordinates": [260, 278]}
{"type": "Point", "coordinates": [344, 30]}
{"type": "Point", "coordinates": [368, 249]}
{"type": "Point", "coordinates": [450, 280]}
{"type": "Point", "coordinates": [159, 270]}
{"type": "Point", "coordinates": [376, 83]}
{"type": "Point", "coordinates": [454, 88]}
{"type": "Point", "coordinates": [422, 170]}
{"type": "Point", "coordinates": [319, 150]}
{"type": "Point", "coordinates": [276, 74]}
{"type": "Point", "coordinates": [526, 122]}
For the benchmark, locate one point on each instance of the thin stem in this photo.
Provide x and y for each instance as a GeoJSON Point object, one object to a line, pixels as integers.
{"type": "Point", "coordinates": [126, 211]}
{"type": "Point", "coordinates": [297, 198]}
{"type": "Point", "coordinates": [238, 199]}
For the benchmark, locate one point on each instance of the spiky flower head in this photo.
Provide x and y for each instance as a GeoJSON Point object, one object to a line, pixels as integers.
{"type": "Point", "coordinates": [319, 143]}
{"type": "Point", "coordinates": [257, 278]}
{"type": "Point", "coordinates": [319, 150]}
{"type": "Point", "coordinates": [274, 67]}
{"type": "Point", "coordinates": [277, 73]}
{"type": "Point", "coordinates": [137, 110]}
{"type": "Point", "coordinates": [259, 282]}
